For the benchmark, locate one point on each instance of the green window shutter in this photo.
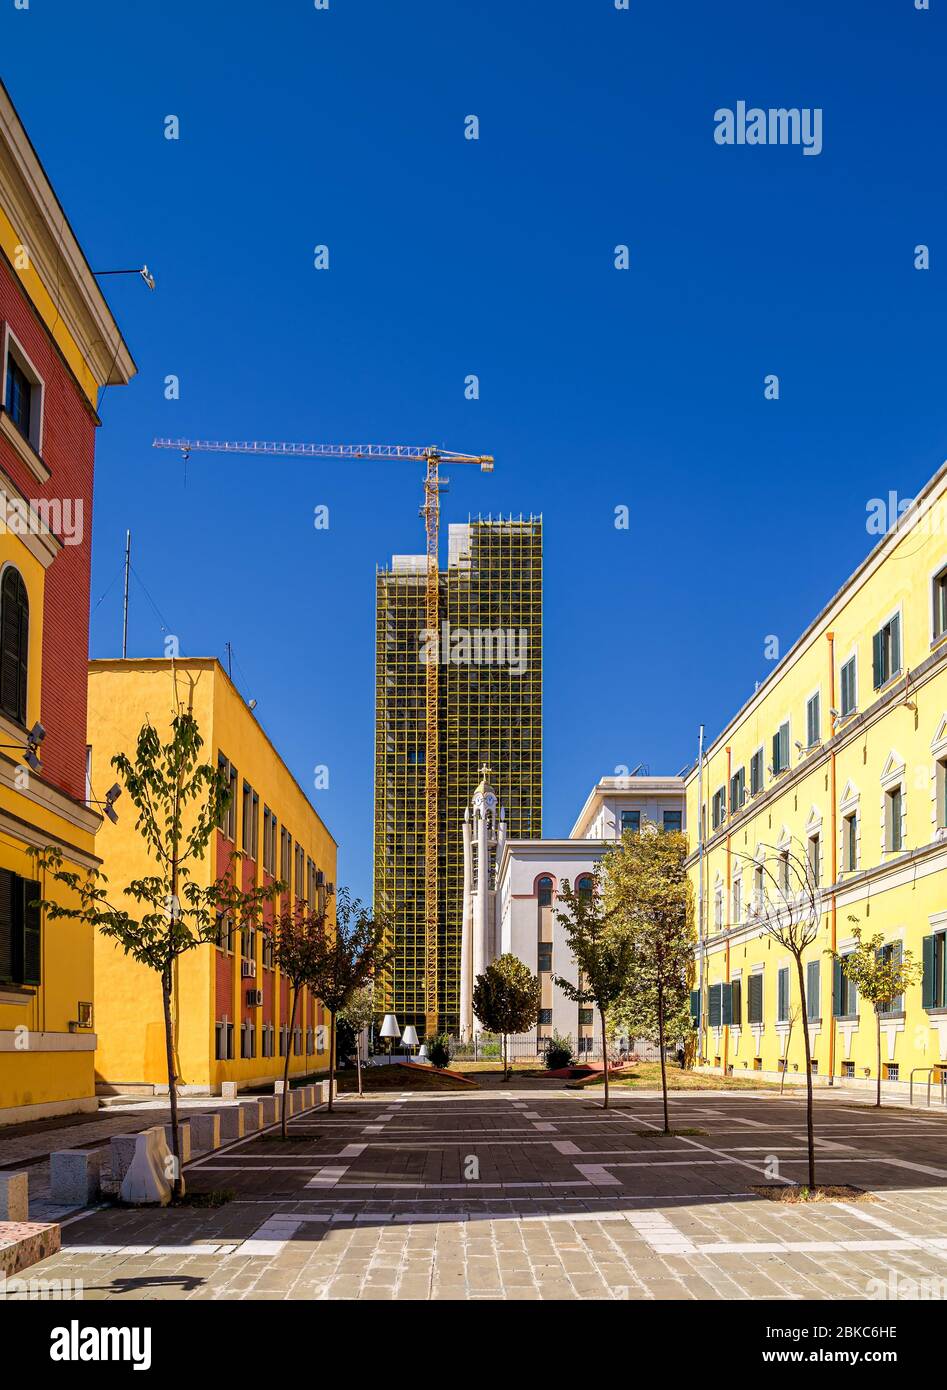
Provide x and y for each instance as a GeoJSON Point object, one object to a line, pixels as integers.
{"type": "Point", "coordinates": [813, 984]}
{"type": "Point", "coordinates": [775, 752]}
{"type": "Point", "coordinates": [755, 999]}
{"type": "Point", "coordinates": [782, 985]}
{"type": "Point", "coordinates": [32, 956]}
{"type": "Point", "coordinates": [927, 983]}
{"type": "Point", "coordinates": [877, 659]}
{"type": "Point", "coordinates": [726, 1004]}
{"type": "Point", "coordinates": [695, 1006]}
{"type": "Point", "coordinates": [714, 1005]}
{"type": "Point", "coordinates": [895, 644]}
{"type": "Point", "coordinates": [6, 926]}
{"type": "Point", "coordinates": [836, 989]}
{"type": "Point", "coordinates": [736, 1003]}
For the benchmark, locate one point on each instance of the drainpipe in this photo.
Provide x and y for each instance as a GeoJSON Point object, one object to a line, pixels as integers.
{"type": "Point", "coordinates": [729, 909]}
{"type": "Point", "coordinates": [700, 890]}
{"type": "Point", "coordinates": [833, 917]}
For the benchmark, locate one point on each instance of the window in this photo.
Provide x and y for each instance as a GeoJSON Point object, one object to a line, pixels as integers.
{"type": "Point", "coordinates": [585, 1018]}
{"type": "Point", "coordinates": [939, 604]}
{"type": "Point", "coordinates": [14, 644]}
{"type": "Point", "coordinates": [720, 1002]}
{"type": "Point", "coordinates": [415, 757]}
{"type": "Point", "coordinates": [814, 856]}
{"type": "Point", "coordinates": [297, 1042]}
{"type": "Point", "coordinates": [672, 822]}
{"type": "Point", "coordinates": [283, 1039]}
{"type": "Point", "coordinates": [545, 1017]}
{"type": "Point", "coordinates": [844, 993]}
{"type": "Point", "coordinates": [544, 891]}
{"type": "Point", "coordinates": [247, 1039]}
{"type": "Point", "coordinates": [585, 1044]}
{"type": "Point", "coordinates": [737, 789]}
{"type": "Point", "coordinates": [248, 943]}
{"type": "Point", "coordinates": [849, 687]}
{"type": "Point", "coordinates": [300, 873]}
{"type": "Point", "coordinates": [251, 816]}
{"type": "Point", "coordinates": [286, 857]}
{"type": "Point", "coordinates": [544, 961]}
{"type": "Point", "coordinates": [223, 1041]}
{"type": "Point", "coordinates": [631, 820]}
{"type": "Point", "coordinates": [268, 951]}
{"type": "Point", "coordinates": [754, 998]}
{"type": "Point", "coordinates": [890, 955]}
{"type": "Point", "coordinates": [719, 807]}
{"type": "Point", "coordinates": [756, 772]}
{"type": "Point", "coordinates": [894, 830]}
{"type": "Point", "coordinates": [782, 994]}
{"type": "Point", "coordinates": [850, 843]}
{"type": "Point", "coordinates": [268, 1040]}
{"type": "Point", "coordinates": [813, 990]}
{"type": "Point", "coordinates": [718, 908]}
{"type": "Point", "coordinates": [269, 841]}
{"type": "Point", "coordinates": [228, 821]}
{"type": "Point", "coordinates": [225, 931]}
{"type": "Point", "coordinates": [784, 872]}
{"type": "Point", "coordinates": [20, 931]}
{"type": "Point", "coordinates": [886, 652]}
{"type": "Point", "coordinates": [813, 720]}
{"type": "Point", "coordinates": [23, 395]}
{"type": "Point", "coordinates": [781, 749]}
{"type": "Point", "coordinates": [759, 888]}
{"type": "Point", "coordinates": [934, 959]}
{"type": "Point", "coordinates": [737, 894]}
{"type": "Point", "coordinates": [584, 886]}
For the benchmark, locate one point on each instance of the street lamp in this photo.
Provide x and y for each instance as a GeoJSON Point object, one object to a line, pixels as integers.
{"type": "Point", "coordinates": [390, 1030]}
{"type": "Point", "coordinates": [410, 1036]}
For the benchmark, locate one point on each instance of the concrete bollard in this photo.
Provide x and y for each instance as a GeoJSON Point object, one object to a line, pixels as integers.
{"type": "Point", "coordinates": [310, 1097]}
{"type": "Point", "coordinates": [14, 1197]}
{"type": "Point", "coordinates": [228, 1090]}
{"type": "Point", "coordinates": [232, 1118]}
{"type": "Point", "coordinates": [146, 1182]}
{"type": "Point", "coordinates": [184, 1139]}
{"type": "Point", "coordinates": [205, 1132]}
{"type": "Point", "coordinates": [278, 1087]}
{"type": "Point", "coordinates": [75, 1176]}
{"type": "Point", "coordinates": [122, 1151]}
{"type": "Point", "coordinates": [270, 1109]}
{"type": "Point", "coordinates": [253, 1112]}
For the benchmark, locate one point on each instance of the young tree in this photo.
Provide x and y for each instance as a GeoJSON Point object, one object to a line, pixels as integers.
{"type": "Point", "coordinates": [350, 954]}
{"type": "Point", "coordinates": [297, 951]}
{"type": "Point", "coordinates": [880, 972]}
{"type": "Point", "coordinates": [603, 956]}
{"type": "Point", "coordinates": [789, 909]}
{"type": "Point", "coordinates": [179, 802]}
{"type": "Point", "coordinates": [647, 888]}
{"type": "Point", "coordinates": [358, 1012]}
{"type": "Point", "coordinates": [506, 1000]}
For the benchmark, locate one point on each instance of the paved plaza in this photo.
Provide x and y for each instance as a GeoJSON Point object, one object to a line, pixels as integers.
{"type": "Point", "coordinates": [520, 1192]}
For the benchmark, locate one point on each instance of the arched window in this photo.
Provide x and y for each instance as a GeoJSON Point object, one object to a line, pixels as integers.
{"type": "Point", "coordinates": [14, 644]}
{"type": "Point", "coordinates": [584, 886]}
{"type": "Point", "coordinates": [544, 891]}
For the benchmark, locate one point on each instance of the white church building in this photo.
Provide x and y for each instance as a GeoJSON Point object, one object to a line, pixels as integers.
{"type": "Point", "coordinates": [511, 888]}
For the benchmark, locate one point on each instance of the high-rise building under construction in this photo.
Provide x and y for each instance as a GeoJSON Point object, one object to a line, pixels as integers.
{"type": "Point", "coordinates": [488, 649]}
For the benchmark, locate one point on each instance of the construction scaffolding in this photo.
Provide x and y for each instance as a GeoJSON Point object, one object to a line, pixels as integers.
{"type": "Point", "coordinates": [488, 646]}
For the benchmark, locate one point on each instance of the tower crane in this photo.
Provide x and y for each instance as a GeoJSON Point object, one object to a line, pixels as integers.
{"type": "Point", "coordinates": [431, 457]}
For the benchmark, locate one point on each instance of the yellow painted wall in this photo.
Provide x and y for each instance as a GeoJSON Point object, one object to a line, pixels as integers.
{"type": "Point", "coordinates": [893, 892]}
{"type": "Point", "coordinates": [131, 1041]}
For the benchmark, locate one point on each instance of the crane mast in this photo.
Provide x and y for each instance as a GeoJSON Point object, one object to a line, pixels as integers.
{"type": "Point", "coordinates": [432, 457]}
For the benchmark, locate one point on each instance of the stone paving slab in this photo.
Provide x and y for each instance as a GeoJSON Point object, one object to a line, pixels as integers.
{"type": "Point", "coordinates": [433, 1195]}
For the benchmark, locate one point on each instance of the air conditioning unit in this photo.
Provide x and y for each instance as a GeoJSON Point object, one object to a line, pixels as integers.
{"type": "Point", "coordinates": [248, 969]}
{"type": "Point", "coordinates": [255, 998]}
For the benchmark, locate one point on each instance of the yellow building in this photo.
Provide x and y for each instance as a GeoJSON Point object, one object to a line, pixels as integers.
{"type": "Point", "coordinates": [839, 757]}
{"type": "Point", "coordinates": [231, 1007]}
{"type": "Point", "coordinates": [59, 346]}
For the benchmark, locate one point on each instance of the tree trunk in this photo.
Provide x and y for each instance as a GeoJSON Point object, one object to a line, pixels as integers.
{"type": "Point", "coordinates": [782, 1079]}
{"type": "Point", "coordinates": [331, 1057]}
{"type": "Point", "coordinates": [176, 1184]}
{"type": "Point", "coordinates": [506, 1060]}
{"type": "Point", "coordinates": [604, 1056]}
{"type": "Point", "coordinates": [289, 1039]}
{"type": "Point", "coordinates": [664, 1077]}
{"type": "Point", "coordinates": [358, 1060]}
{"type": "Point", "coordinates": [810, 1128]}
{"type": "Point", "coordinates": [878, 1026]}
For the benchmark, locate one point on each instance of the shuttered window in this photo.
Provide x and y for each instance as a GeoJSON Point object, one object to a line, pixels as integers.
{"type": "Point", "coordinates": [782, 995]}
{"type": "Point", "coordinates": [781, 748]}
{"type": "Point", "coordinates": [754, 999]}
{"type": "Point", "coordinates": [934, 981]}
{"type": "Point", "coordinates": [844, 994]}
{"type": "Point", "coordinates": [886, 652]}
{"type": "Point", "coordinates": [714, 1006]}
{"type": "Point", "coordinates": [695, 1007]}
{"type": "Point", "coordinates": [813, 990]}
{"type": "Point", "coordinates": [14, 644]}
{"type": "Point", "coordinates": [848, 683]}
{"type": "Point", "coordinates": [20, 934]}
{"type": "Point", "coordinates": [736, 1004]}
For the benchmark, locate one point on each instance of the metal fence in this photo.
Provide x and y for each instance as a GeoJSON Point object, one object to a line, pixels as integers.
{"type": "Point", "coordinates": [526, 1047]}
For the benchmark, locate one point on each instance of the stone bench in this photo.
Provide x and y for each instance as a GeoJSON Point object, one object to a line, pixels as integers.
{"type": "Point", "coordinates": [14, 1197]}
{"type": "Point", "coordinates": [205, 1132]}
{"type": "Point", "coordinates": [75, 1176]}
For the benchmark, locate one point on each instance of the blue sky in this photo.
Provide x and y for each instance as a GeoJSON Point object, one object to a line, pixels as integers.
{"type": "Point", "coordinates": [599, 388]}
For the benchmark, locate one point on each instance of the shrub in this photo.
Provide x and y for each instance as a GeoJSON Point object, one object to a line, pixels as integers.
{"type": "Point", "coordinates": [438, 1050]}
{"type": "Point", "coordinates": [557, 1053]}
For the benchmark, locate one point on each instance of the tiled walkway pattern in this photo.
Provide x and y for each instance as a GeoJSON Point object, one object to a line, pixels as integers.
{"type": "Point", "coordinates": [536, 1195]}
